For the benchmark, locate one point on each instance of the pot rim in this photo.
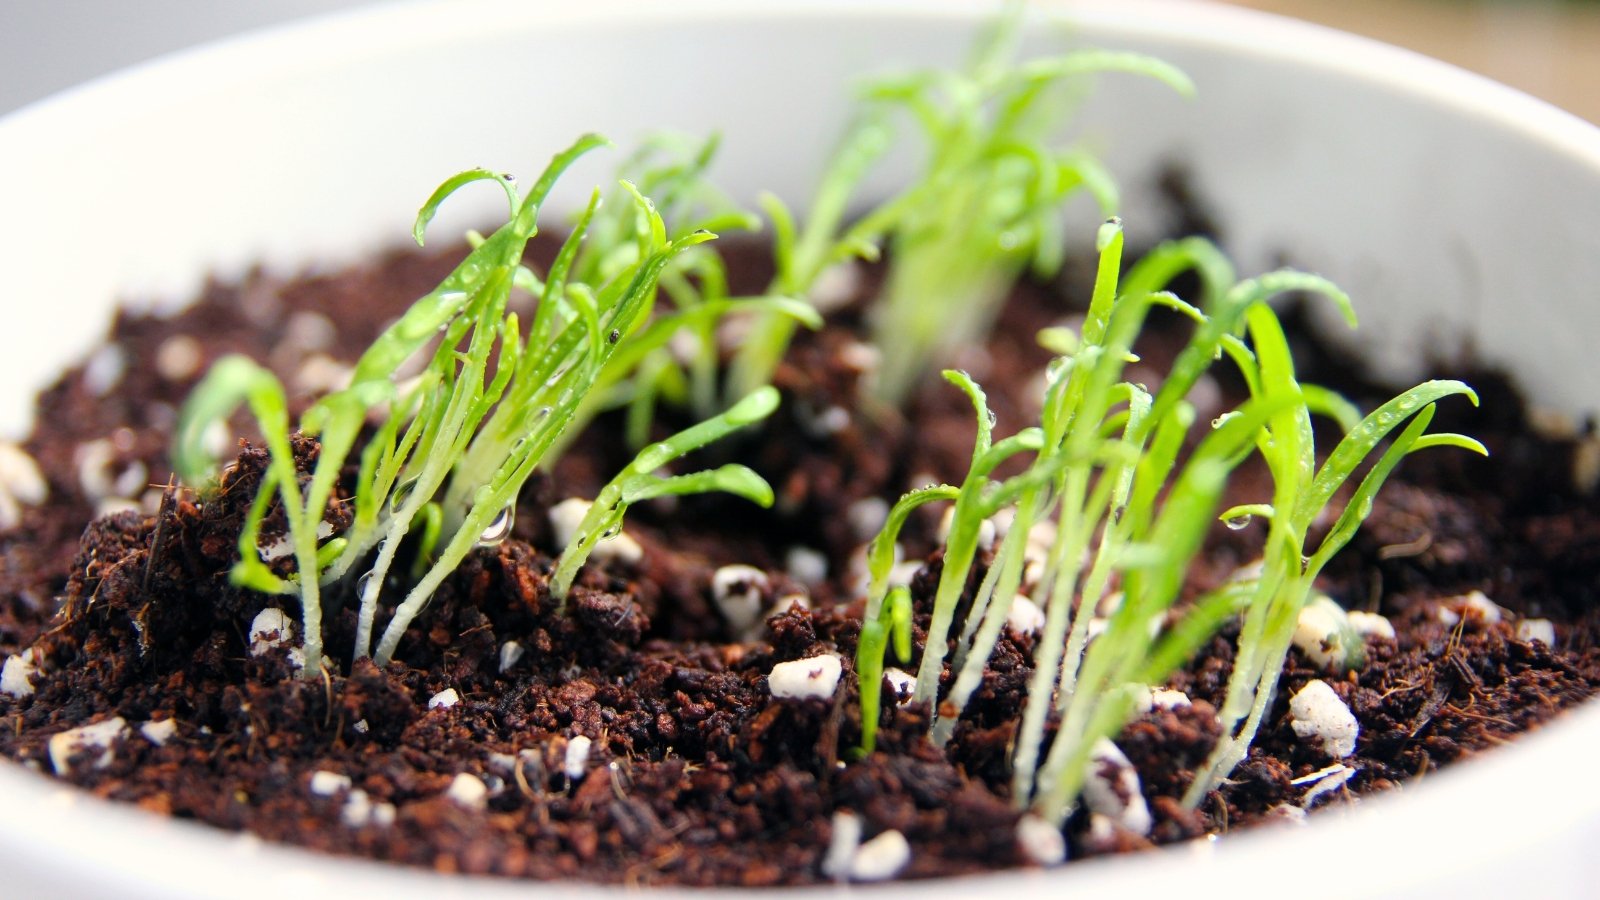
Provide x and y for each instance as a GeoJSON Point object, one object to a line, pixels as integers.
{"type": "Point", "coordinates": [419, 22]}
{"type": "Point", "coordinates": [65, 830]}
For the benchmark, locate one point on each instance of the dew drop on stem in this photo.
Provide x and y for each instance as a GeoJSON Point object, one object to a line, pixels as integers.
{"type": "Point", "coordinates": [499, 528]}
{"type": "Point", "coordinates": [654, 457]}
{"type": "Point", "coordinates": [401, 494]}
{"type": "Point", "coordinates": [1239, 522]}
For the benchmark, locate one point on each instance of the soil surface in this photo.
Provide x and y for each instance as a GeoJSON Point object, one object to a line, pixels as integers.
{"type": "Point", "coordinates": [694, 773]}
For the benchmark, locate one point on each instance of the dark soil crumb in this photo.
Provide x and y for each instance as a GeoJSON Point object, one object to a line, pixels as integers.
{"type": "Point", "coordinates": [632, 738]}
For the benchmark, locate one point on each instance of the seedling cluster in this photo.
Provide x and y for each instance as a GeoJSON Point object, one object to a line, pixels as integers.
{"type": "Point", "coordinates": [1126, 493]}
{"type": "Point", "coordinates": [1118, 486]}
{"type": "Point", "coordinates": [453, 445]}
{"type": "Point", "coordinates": [986, 205]}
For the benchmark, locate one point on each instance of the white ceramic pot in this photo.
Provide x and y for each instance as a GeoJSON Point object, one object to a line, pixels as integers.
{"type": "Point", "coordinates": [1456, 212]}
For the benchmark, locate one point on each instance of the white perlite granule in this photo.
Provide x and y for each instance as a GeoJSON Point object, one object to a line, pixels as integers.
{"type": "Point", "coordinates": [510, 654]}
{"type": "Point", "coordinates": [1319, 716]}
{"type": "Point", "coordinates": [96, 479]}
{"type": "Point", "coordinates": [986, 529]}
{"type": "Point", "coordinates": [179, 357]}
{"type": "Point", "coordinates": [740, 594]}
{"type": "Point", "coordinates": [1324, 781]}
{"type": "Point", "coordinates": [1370, 624]}
{"type": "Point", "coordinates": [320, 373]}
{"type": "Point", "coordinates": [1025, 616]}
{"type": "Point", "coordinates": [16, 678]}
{"type": "Point", "coordinates": [217, 439]}
{"type": "Point", "coordinates": [577, 758]}
{"type": "Point", "coordinates": [1113, 789]}
{"type": "Point", "coordinates": [806, 565]}
{"type": "Point", "coordinates": [842, 845]}
{"type": "Point", "coordinates": [831, 420]}
{"type": "Point", "coordinates": [326, 784]}
{"type": "Point", "coordinates": [860, 357]}
{"type": "Point", "coordinates": [567, 516]}
{"type": "Point", "coordinates": [881, 858]}
{"type": "Point", "coordinates": [104, 370]}
{"type": "Point", "coordinates": [159, 732]}
{"type": "Point", "coordinates": [1475, 606]}
{"type": "Point", "coordinates": [21, 484]}
{"type": "Point", "coordinates": [1323, 634]}
{"type": "Point", "coordinates": [1164, 699]}
{"type": "Point", "coordinates": [1041, 842]}
{"type": "Point", "coordinates": [359, 811]}
{"type": "Point", "coordinates": [1101, 835]}
{"type": "Point", "coordinates": [504, 763]}
{"type": "Point", "coordinates": [901, 574]}
{"type": "Point", "coordinates": [835, 286]}
{"type": "Point", "coordinates": [901, 684]}
{"type": "Point", "coordinates": [804, 679]}
{"type": "Point", "coordinates": [306, 331]}
{"type": "Point", "coordinates": [98, 736]}
{"type": "Point", "coordinates": [468, 791]}
{"type": "Point", "coordinates": [789, 602]}
{"type": "Point", "coordinates": [1542, 630]}
{"type": "Point", "coordinates": [444, 699]}
{"type": "Point", "coordinates": [271, 628]}
{"type": "Point", "coordinates": [866, 517]}
{"type": "Point", "coordinates": [279, 548]}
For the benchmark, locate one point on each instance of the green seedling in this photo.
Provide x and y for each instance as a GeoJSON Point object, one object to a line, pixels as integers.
{"type": "Point", "coordinates": [639, 481]}
{"type": "Point", "coordinates": [1127, 494]}
{"type": "Point", "coordinates": [675, 359]}
{"type": "Point", "coordinates": [986, 205]}
{"type": "Point", "coordinates": [452, 447]}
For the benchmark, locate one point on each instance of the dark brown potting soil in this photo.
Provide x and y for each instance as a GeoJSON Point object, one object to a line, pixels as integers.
{"type": "Point", "coordinates": [696, 774]}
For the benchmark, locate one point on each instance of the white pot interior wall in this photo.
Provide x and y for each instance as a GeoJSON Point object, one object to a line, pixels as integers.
{"type": "Point", "coordinates": [1447, 236]}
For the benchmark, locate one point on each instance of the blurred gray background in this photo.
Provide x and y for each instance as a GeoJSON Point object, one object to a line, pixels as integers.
{"type": "Point", "coordinates": [1550, 48]}
{"type": "Point", "coordinates": [50, 45]}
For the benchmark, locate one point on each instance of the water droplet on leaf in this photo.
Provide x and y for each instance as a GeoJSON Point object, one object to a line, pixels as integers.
{"type": "Point", "coordinates": [499, 528]}
{"type": "Point", "coordinates": [654, 457]}
{"type": "Point", "coordinates": [401, 494]}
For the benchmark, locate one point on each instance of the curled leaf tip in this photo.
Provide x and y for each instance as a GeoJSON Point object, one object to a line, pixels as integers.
{"type": "Point", "coordinates": [759, 404]}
